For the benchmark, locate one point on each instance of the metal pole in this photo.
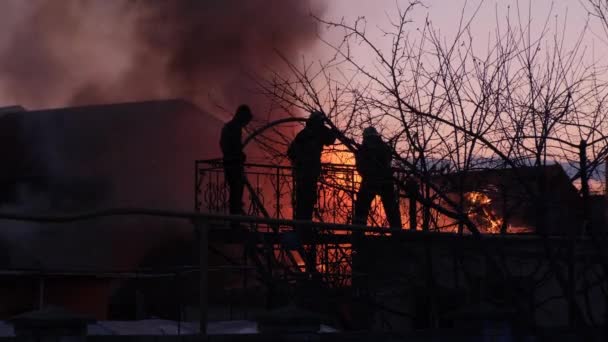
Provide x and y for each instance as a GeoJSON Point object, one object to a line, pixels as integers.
{"type": "Point", "coordinates": [573, 233]}
{"type": "Point", "coordinates": [202, 227]}
{"type": "Point", "coordinates": [412, 192]}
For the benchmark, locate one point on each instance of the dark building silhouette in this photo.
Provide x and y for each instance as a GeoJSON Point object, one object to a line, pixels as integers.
{"type": "Point", "coordinates": [76, 159]}
{"type": "Point", "coordinates": [515, 196]}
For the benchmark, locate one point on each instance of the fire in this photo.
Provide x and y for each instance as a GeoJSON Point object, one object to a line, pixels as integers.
{"type": "Point", "coordinates": [338, 185]}
{"type": "Point", "coordinates": [338, 155]}
{"type": "Point", "coordinates": [477, 198]}
{"type": "Point", "coordinates": [343, 185]}
{"type": "Point", "coordinates": [480, 211]}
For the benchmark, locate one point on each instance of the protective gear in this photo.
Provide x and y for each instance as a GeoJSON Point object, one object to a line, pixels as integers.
{"type": "Point", "coordinates": [305, 150]}
{"type": "Point", "coordinates": [305, 155]}
{"type": "Point", "coordinates": [316, 116]}
{"type": "Point", "coordinates": [374, 159]}
{"type": "Point", "coordinates": [374, 165]}
{"type": "Point", "coordinates": [315, 120]}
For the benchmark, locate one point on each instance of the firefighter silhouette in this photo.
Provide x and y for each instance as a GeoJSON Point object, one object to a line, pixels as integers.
{"type": "Point", "coordinates": [374, 166]}
{"type": "Point", "coordinates": [305, 155]}
{"type": "Point", "coordinates": [234, 158]}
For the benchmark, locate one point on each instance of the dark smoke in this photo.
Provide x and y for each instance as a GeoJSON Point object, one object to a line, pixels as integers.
{"type": "Point", "coordinates": [75, 52]}
{"type": "Point", "coordinates": [80, 52]}
{"type": "Point", "coordinates": [72, 53]}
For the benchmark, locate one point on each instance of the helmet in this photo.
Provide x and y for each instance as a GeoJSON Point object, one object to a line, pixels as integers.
{"type": "Point", "coordinates": [370, 132]}
{"type": "Point", "coordinates": [315, 118]}
{"type": "Point", "coordinates": [316, 115]}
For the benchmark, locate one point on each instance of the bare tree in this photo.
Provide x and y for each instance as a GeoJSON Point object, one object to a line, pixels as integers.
{"type": "Point", "coordinates": [450, 109]}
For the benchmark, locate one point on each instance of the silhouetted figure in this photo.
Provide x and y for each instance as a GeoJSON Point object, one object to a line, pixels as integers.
{"type": "Point", "coordinates": [305, 155]}
{"type": "Point", "coordinates": [234, 158]}
{"type": "Point", "coordinates": [374, 165]}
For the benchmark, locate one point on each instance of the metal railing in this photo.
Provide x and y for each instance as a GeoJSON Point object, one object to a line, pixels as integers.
{"type": "Point", "coordinates": [269, 192]}
{"type": "Point", "coordinates": [273, 185]}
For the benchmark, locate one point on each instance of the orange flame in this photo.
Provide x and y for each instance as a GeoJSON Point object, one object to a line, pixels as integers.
{"type": "Point", "coordinates": [480, 211]}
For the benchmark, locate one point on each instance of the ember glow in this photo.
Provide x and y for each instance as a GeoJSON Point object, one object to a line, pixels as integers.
{"type": "Point", "coordinates": [339, 183]}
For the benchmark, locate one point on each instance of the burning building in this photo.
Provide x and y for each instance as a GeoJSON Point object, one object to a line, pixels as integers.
{"type": "Point", "coordinates": [515, 200]}
{"type": "Point", "coordinates": [141, 155]}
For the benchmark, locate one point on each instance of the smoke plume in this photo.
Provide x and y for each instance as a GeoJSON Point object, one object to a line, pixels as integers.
{"type": "Point", "coordinates": [80, 52]}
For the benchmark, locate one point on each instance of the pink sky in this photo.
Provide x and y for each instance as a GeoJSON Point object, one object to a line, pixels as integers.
{"type": "Point", "coordinates": [445, 15]}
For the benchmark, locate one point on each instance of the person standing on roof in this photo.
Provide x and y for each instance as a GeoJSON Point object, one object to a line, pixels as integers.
{"type": "Point", "coordinates": [234, 157]}
{"type": "Point", "coordinates": [305, 155]}
{"type": "Point", "coordinates": [373, 160]}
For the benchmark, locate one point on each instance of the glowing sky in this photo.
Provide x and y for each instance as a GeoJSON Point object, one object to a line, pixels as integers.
{"type": "Point", "coordinates": [445, 16]}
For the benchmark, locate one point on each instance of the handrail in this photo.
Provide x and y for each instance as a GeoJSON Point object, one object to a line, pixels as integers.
{"type": "Point", "coordinates": [287, 167]}
{"type": "Point", "coordinates": [206, 217]}
{"type": "Point", "coordinates": [191, 215]}
{"type": "Point", "coordinates": [166, 272]}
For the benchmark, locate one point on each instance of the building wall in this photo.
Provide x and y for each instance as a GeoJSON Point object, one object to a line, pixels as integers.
{"type": "Point", "coordinates": [70, 160]}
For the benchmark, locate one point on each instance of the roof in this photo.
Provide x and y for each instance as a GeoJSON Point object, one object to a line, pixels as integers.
{"type": "Point", "coordinates": [38, 147]}
{"type": "Point", "coordinates": [513, 177]}
{"type": "Point", "coordinates": [514, 193]}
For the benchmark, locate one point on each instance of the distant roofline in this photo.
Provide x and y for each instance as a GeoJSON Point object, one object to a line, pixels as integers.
{"type": "Point", "coordinates": [125, 103]}
{"type": "Point", "coordinates": [176, 101]}
{"type": "Point", "coordinates": [11, 109]}
{"type": "Point", "coordinates": [506, 169]}
{"type": "Point", "coordinates": [177, 104]}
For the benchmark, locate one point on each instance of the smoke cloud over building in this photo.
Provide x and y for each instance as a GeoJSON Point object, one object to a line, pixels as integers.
{"type": "Point", "coordinates": [74, 52]}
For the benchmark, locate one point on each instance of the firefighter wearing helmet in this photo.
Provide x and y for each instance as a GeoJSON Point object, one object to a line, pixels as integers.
{"type": "Point", "coordinates": [373, 160]}
{"type": "Point", "coordinates": [305, 155]}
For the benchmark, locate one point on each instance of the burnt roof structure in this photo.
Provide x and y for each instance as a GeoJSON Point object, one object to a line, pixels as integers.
{"type": "Point", "coordinates": [517, 197]}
